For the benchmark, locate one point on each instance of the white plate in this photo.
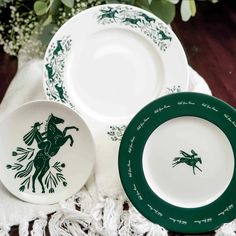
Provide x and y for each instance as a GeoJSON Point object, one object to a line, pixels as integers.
{"type": "Point", "coordinates": [180, 183]}
{"type": "Point", "coordinates": [47, 152]}
{"type": "Point", "coordinates": [111, 60]}
{"type": "Point", "coordinates": [177, 162]}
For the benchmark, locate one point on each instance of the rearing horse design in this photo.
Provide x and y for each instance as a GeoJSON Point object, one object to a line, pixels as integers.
{"type": "Point", "coordinates": [49, 143]}
{"type": "Point", "coordinates": [189, 159]}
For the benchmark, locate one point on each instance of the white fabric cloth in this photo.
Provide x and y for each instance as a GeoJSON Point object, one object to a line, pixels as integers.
{"type": "Point", "coordinates": [100, 201]}
{"type": "Point", "coordinates": [26, 86]}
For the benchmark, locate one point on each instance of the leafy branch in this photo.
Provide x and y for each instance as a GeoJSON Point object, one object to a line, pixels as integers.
{"type": "Point", "coordinates": [25, 183]}
{"type": "Point", "coordinates": [58, 166]}
{"type": "Point", "coordinates": [52, 180]}
{"type": "Point", "coordinates": [61, 178]}
{"type": "Point", "coordinates": [15, 166]}
{"type": "Point", "coordinates": [23, 153]}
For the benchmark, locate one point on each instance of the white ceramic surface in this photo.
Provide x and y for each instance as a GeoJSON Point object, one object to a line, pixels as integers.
{"type": "Point", "coordinates": [178, 185]}
{"type": "Point", "coordinates": [111, 60]}
{"type": "Point", "coordinates": [67, 149]}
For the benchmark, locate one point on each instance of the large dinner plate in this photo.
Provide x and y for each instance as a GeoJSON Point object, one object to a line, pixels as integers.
{"type": "Point", "coordinates": [109, 61]}
{"type": "Point", "coordinates": [47, 152]}
{"type": "Point", "coordinates": [177, 162]}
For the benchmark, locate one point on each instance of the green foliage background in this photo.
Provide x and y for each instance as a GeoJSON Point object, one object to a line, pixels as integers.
{"type": "Point", "coordinates": [20, 20]}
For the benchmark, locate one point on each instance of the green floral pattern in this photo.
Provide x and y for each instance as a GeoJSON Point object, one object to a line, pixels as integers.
{"type": "Point", "coordinates": [54, 70]}
{"type": "Point", "coordinates": [54, 66]}
{"type": "Point", "coordinates": [127, 16]}
{"type": "Point", "coordinates": [173, 89]}
{"type": "Point", "coordinates": [116, 132]}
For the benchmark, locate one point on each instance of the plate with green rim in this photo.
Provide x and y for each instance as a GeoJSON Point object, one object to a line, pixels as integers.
{"type": "Point", "coordinates": [106, 55]}
{"type": "Point", "coordinates": [47, 152]}
{"type": "Point", "coordinates": [177, 162]}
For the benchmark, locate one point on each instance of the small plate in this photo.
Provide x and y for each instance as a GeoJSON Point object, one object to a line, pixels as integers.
{"type": "Point", "coordinates": [177, 162]}
{"type": "Point", "coordinates": [109, 61]}
{"type": "Point", "coordinates": [47, 152]}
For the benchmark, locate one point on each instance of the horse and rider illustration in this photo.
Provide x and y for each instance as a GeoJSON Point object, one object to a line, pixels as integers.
{"type": "Point", "coordinates": [48, 143]}
{"type": "Point", "coordinates": [189, 159]}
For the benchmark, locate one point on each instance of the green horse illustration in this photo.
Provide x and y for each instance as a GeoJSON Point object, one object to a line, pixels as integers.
{"type": "Point", "coordinates": [49, 144]}
{"type": "Point", "coordinates": [110, 13]}
{"type": "Point", "coordinates": [147, 18]}
{"type": "Point", "coordinates": [60, 91]}
{"type": "Point", "coordinates": [189, 159]}
{"type": "Point", "coordinates": [50, 71]}
{"type": "Point", "coordinates": [162, 35]}
{"type": "Point", "coordinates": [58, 49]}
{"type": "Point", "coordinates": [132, 21]}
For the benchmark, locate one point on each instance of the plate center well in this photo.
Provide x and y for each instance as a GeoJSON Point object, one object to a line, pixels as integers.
{"type": "Point", "coordinates": [113, 73]}
{"type": "Point", "coordinates": [188, 162]}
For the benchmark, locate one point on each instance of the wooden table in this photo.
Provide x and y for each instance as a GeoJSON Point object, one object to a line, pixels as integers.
{"type": "Point", "coordinates": [209, 40]}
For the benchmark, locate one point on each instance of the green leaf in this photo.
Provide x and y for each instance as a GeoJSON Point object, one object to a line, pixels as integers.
{"type": "Point", "coordinates": [68, 3]}
{"type": "Point", "coordinates": [144, 4]}
{"type": "Point", "coordinates": [164, 9]}
{"type": "Point", "coordinates": [48, 20]}
{"type": "Point", "coordinates": [54, 7]}
{"type": "Point", "coordinates": [130, 2]}
{"type": "Point", "coordinates": [46, 35]}
{"type": "Point", "coordinates": [112, 1]}
{"type": "Point", "coordinates": [19, 149]}
{"type": "Point", "coordinates": [192, 7]}
{"type": "Point", "coordinates": [40, 8]}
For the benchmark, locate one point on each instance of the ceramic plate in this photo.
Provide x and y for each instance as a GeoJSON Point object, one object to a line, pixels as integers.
{"type": "Point", "coordinates": [47, 152]}
{"type": "Point", "coordinates": [111, 60]}
{"type": "Point", "coordinates": [177, 162]}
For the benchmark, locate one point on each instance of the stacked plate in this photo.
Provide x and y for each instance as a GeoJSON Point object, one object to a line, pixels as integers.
{"type": "Point", "coordinates": [176, 158]}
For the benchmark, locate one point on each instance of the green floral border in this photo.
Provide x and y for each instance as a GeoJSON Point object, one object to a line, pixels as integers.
{"type": "Point", "coordinates": [54, 70]}
{"type": "Point", "coordinates": [128, 16]}
{"type": "Point", "coordinates": [116, 132]}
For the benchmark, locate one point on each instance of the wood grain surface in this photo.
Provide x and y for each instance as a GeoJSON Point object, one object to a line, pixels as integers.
{"type": "Point", "coordinates": [209, 40]}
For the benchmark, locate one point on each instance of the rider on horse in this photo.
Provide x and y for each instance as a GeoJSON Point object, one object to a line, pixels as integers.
{"type": "Point", "coordinates": [40, 138]}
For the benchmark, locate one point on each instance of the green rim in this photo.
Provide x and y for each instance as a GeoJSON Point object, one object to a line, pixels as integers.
{"type": "Point", "coordinates": [186, 220]}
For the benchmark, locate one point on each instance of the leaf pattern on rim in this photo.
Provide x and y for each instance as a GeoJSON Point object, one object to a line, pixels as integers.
{"type": "Point", "coordinates": [116, 132]}
{"type": "Point", "coordinates": [158, 32]}
{"type": "Point", "coordinates": [54, 70]}
{"type": "Point", "coordinates": [174, 89]}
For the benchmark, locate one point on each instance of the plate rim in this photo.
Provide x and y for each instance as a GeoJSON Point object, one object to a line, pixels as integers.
{"type": "Point", "coordinates": [40, 200]}
{"type": "Point", "coordinates": [184, 62]}
{"type": "Point", "coordinates": [177, 226]}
